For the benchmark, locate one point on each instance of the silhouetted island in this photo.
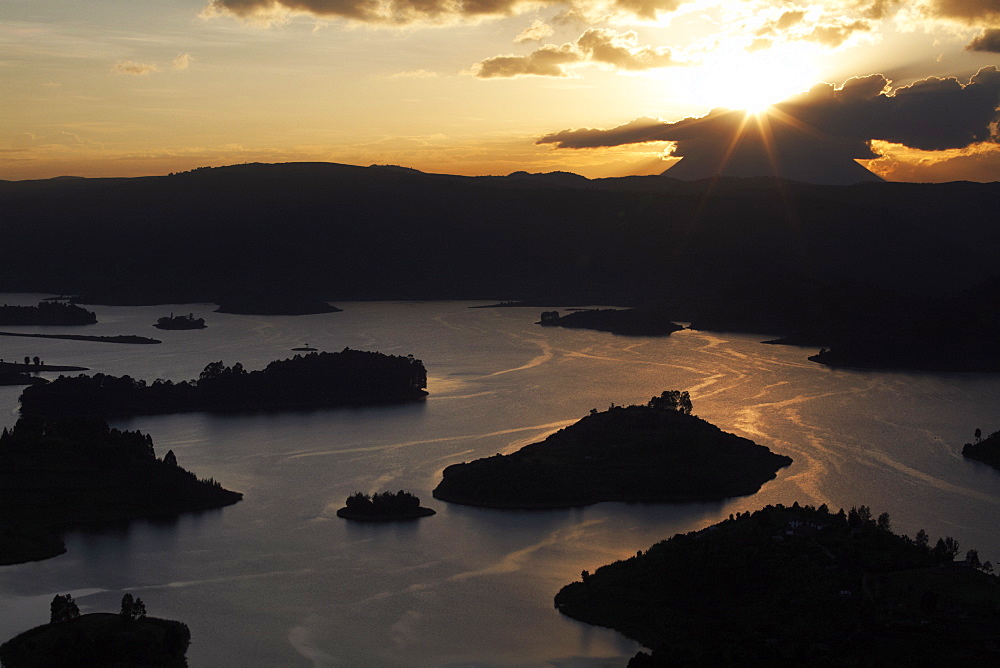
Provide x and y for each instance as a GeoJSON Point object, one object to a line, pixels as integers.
{"type": "Point", "coordinates": [986, 450]}
{"type": "Point", "coordinates": [121, 338]}
{"type": "Point", "coordinates": [629, 322]}
{"type": "Point", "coordinates": [46, 313]}
{"type": "Point", "coordinates": [384, 507]}
{"type": "Point", "coordinates": [59, 471]}
{"type": "Point", "coordinates": [128, 638]}
{"type": "Point", "coordinates": [658, 452]}
{"type": "Point", "coordinates": [796, 586]}
{"type": "Point", "coordinates": [34, 365]}
{"type": "Point", "coordinates": [180, 322]}
{"type": "Point", "coordinates": [285, 305]}
{"type": "Point", "coordinates": [316, 380]}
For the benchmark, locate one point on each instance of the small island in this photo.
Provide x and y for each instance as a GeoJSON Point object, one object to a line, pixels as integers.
{"type": "Point", "coordinates": [60, 471]}
{"type": "Point", "coordinates": [47, 313]}
{"type": "Point", "coordinates": [180, 322]}
{"type": "Point", "coordinates": [626, 322]}
{"type": "Point", "coordinates": [128, 638]}
{"type": "Point", "coordinates": [315, 380]}
{"type": "Point", "coordinates": [384, 507]}
{"type": "Point", "coordinates": [656, 452]}
{"type": "Point", "coordinates": [792, 586]}
{"type": "Point", "coordinates": [986, 450]}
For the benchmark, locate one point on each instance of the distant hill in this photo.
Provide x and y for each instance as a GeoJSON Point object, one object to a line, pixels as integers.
{"type": "Point", "coordinates": [332, 232]}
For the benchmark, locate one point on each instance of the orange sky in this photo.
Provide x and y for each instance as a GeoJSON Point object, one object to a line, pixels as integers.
{"type": "Point", "coordinates": [116, 88]}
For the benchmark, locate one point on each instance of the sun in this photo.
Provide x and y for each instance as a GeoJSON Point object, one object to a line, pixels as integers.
{"type": "Point", "coordinates": [752, 82]}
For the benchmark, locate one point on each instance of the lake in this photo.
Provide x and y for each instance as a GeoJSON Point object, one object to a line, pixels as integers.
{"type": "Point", "coordinates": [278, 579]}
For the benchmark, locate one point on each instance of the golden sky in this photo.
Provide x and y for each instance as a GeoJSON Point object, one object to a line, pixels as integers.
{"type": "Point", "coordinates": [129, 88]}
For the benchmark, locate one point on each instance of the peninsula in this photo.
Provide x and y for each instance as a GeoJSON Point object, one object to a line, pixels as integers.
{"type": "Point", "coordinates": [656, 452]}
{"type": "Point", "coordinates": [59, 471]}
{"type": "Point", "coordinates": [628, 322]}
{"type": "Point", "coordinates": [315, 380]}
{"type": "Point", "coordinates": [986, 450]}
{"type": "Point", "coordinates": [384, 507]}
{"type": "Point", "coordinates": [46, 313]}
{"type": "Point", "coordinates": [796, 585]}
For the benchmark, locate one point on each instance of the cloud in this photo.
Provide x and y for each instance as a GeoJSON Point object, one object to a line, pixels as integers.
{"type": "Point", "coordinates": [972, 12]}
{"type": "Point", "coordinates": [536, 32]}
{"type": "Point", "coordinates": [134, 69]}
{"type": "Point", "coordinates": [414, 74]}
{"type": "Point", "coordinates": [181, 62]}
{"type": "Point", "coordinates": [823, 129]}
{"type": "Point", "coordinates": [987, 40]}
{"type": "Point", "coordinates": [931, 114]}
{"type": "Point", "coordinates": [407, 12]}
{"type": "Point", "coordinates": [979, 162]}
{"type": "Point", "coordinates": [597, 45]}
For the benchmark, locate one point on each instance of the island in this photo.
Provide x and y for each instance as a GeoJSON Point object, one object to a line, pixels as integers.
{"type": "Point", "coordinates": [657, 452]}
{"type": "Point", "coordinates": [35, 364]}
{"type": "Point", "coordinates": [316, 380]}
{"type": "Point", "coordinates": [180, 322]}
{"type": "Point", "coordinates": [986, 450]}
{"type": "Point", "coordinates": [120, 338]}
{"type": "Point", "coordinates": [268, 305]}
{"type": "Point", "coordinates": [60, 471]}
{"type": "Point", "coordinates": [796, 585]}
{"type": "Point", "coordinates": [628, 322]}
{"type": "Point", "coordinates": [46, 313]}
{"type": "Point", "coordinates": [19, 378]}
{"type": "Point", "coordinates": [128, 638]}
{"type": "Point", "coordinates": [384, 507]}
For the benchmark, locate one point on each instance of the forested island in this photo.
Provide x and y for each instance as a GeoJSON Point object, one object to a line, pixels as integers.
{"type": "Point", "coordinates": [797, 586]}
{"type": "Point", "coordinates": [629, 322]}
{"type": "Point", "coordinates": [316, 380]}
{"type": "Point", "coordinates": [59, 471]}
{"type": "Point", "coordinates": [986, 450]}
{"type": "Point", "coordinates": [129, 638]}
{"type": "Point", "coordinates": [180, 322]}
{"type": "Point", "coordinates": [656, 452]}
{"type": "Point", "coordinates": [46, 313]}
{"type": "Point", "coordinates": [384, 507]}
{"type": "Point", "coordinates": [121, 338]}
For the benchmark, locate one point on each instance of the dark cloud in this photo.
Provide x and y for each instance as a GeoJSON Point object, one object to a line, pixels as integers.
{"type": "Point", "coordinates": [403, 12]}
{"type": "Point", "coordinates": [824, 129]}
{"type": "Point", "coordinates": [544, 62]}
{"type": "Point", "coordinates": [968, 11]}
{"type": "Point", "coordinates": [597, 45]}
{"type": "Point", "coordinates": [987, 40]}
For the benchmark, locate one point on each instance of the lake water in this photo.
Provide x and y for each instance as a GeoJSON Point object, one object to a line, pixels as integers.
{"type": "Point", "coordinates": [279, 580]}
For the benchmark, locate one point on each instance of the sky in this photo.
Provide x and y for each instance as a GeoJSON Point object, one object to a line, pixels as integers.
{"type": "Point", "coordinates": [596, 87]}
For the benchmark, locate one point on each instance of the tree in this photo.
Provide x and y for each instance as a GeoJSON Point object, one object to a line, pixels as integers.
{"type": "Point", "coordinates": [170, 458]}
{"type": "Point", "coordinates": [884, 522]}
{"type": "Point", "coordinates": [979, 434]}
{"type": "Point", "coordinates": [63, 609]}
{"type": "Point", "coordinates": [972, 558]}
{"type": "Point", "coordinates": [922, 538]}
{"type": "Point", "coordinates": [672, 400]}
{"type": "Point", "coordinates": [37, 361]}
{"type": "Point", "coordinates": [127, 604]}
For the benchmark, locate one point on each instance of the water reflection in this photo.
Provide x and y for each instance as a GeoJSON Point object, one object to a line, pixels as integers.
{"type": "Point", "coordinates": [278, 580]}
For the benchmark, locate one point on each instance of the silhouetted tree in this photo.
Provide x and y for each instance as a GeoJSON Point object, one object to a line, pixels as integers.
{"type": "Point", "coordinates": [979, 434]}
{"type": "Point", "coordinates": [63, 609]}
{"type": "Point", "coordinates": [922, 538]}
{"type": "Point", "coordinates": [37, 361]}
{"type": "Point", "coordinates": [972, 558]}
{"type": "Point", "coordinates": [884, 522]}
{"type": "Point", "coordinates": [170, 458]}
